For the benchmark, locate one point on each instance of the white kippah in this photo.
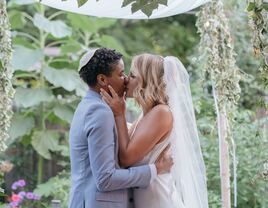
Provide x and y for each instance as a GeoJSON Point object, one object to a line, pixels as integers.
{"type": "Point", "coordinates": [86, 57]}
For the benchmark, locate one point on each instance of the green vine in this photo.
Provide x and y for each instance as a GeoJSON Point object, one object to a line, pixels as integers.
{"type": "Point", "coordinates": [258, 21]}
{"type": "Point", "coordinates": [6, 89]}
{"type": "Point", "coordinates": [218, 58]}
{"type": "Point", "coordinates": [258, 12]}
{"type": "Point", "coordinates": [217, 53]}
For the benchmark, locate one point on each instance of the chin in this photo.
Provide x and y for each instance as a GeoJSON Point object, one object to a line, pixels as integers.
{"type": "Point", "coordinates": [129, 95]}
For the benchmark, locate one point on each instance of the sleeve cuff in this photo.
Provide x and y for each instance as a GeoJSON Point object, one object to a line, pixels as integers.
{"type": "Point", "coordinates": [153, 172]}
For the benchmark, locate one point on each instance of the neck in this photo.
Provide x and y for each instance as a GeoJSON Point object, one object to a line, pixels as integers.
{"type": "Point", "coordinates": [95, 89]}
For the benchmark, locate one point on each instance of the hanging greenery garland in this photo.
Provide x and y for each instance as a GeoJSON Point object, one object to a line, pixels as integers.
{"type": "Point", "coordinates": [6, 89]}
{"type": "Point", "coordinates": [258, 21]}
{"type": "Point", "coordinates": [218, 54]}
{"type": "Point", "coordinates": [218, 58]}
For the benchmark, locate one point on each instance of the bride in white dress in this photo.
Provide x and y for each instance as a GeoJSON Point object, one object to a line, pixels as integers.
{"type": "Point", "coordinates": [161, 87]}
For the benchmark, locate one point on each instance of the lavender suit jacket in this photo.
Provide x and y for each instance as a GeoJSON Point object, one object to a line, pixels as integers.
{"type": "Point", "coordinates": [97, 179]}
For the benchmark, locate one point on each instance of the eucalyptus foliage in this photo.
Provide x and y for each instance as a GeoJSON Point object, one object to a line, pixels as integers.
{"type": "Point", "coordinates": [6, 89]}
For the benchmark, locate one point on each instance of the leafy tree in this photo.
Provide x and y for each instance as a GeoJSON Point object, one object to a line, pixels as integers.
{"type": "Point", "coordinates": [47, 47]}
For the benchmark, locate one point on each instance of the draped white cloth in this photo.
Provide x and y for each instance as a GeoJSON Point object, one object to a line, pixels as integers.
{"type": "Point", "coordinates": [112, 8]}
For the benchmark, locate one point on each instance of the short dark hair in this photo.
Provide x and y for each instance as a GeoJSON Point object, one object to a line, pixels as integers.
{"type": "Point", "coordinates": [102, 62]}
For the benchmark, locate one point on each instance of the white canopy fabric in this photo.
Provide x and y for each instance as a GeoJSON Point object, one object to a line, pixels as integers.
{"type": "Point", "coordinates": [112, 8]}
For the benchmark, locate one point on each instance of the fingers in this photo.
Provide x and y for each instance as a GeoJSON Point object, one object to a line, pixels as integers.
{"type": "Point", "coordinates": [164, 164]}
{"type": "Point", "coordinates": [105, 96]}
{"type": "Point", "coordinates": [114, 94]}
{"type": "Point", "coordinates": [106, 100]}
{"type": "Point", "coordinates": [164, 152]}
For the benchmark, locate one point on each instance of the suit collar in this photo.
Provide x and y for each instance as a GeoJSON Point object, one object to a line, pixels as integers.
{"type": "Point", "coordinates": [92, 93]}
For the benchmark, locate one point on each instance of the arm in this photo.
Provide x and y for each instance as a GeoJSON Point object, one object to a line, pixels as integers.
{"type": "Point", "coordinates": [158, 121]}
{"type": "Point", "coordinates": [99, 129]}
{"type": "Point", "coordinates": [131, 150]}
{"type": "Point", "coordinates": [131, 127]}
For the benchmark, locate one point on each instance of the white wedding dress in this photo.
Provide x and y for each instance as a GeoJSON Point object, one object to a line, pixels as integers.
{"type": "Point", "coordinates": [185, 186]}
{"type": "Point", "coordinates": [161, 193]}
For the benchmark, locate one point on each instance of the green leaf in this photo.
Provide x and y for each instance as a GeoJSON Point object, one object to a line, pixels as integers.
{"type": "Point", "coordinates": [135, 7]}
{"type": "Point", "coordinates": [1, 65]}
{"type": "Point", "coordinates": [78, 21]}
{"type": "Point", "coordinates": [30, 97]}
{"type": "Point", "coordinates": [265, 6]}
{"type": "Point", "coordinates": [265, 50]}
{"type": "Point", "coordinates": [24, 58]}
{"type": "Point", "coordinates": [164, 2]}
{"type": "Point", "coordinates": [111, 42]}
{"type": "Point", "coordinates": [149, 8]}
{"type": "Point", "coordinates": [251, 6]}
{"type": "Point", "coordinates": [56, 28]}
{"type": "Point", "coordinates": [84, 23]}
{"type": "Point", "coordinates": [47, 188]}
{"type": "Point", "coordinates": [81, 2]}
{"type": "Point", "coordinates": [127, 2]}
{"type": "Point", "coordinates": [17, 20]}
{"type": "Point", "coordinates": [71, 46]}
{"type": "Point", "coordinates": [3, 195]}
{"type": "Point", "coordinates": [65, 150]}
{"type": "Point", "coordinates": [23, 2]}
{"type": "Point", "coordinates": [20, 41]}
{"type": "Point", "coordinates": [26, 140]}
{"type": "Point", "coordinates": [21, 125]}
{"type": "Point", "coordinates": [45, 141]}
{"type": "Point", "coordinates": [81, 89]}
{"type": "Point", "coordinates": [57, 184]}
{"type": "Point", "coordinates": [89, 24]}
{"type": "Point", "coordinates": [104, 23]}
{"type": "Point", "coordinates": [64, 112]}
{"type": "Point", "coordinates": [68, 79]}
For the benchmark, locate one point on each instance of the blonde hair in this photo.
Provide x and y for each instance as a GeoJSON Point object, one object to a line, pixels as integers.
{"type": "Point", "coordinates": [150, 91]}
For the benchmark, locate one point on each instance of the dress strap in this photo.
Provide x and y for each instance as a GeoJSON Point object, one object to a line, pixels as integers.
{"type": "Point", "coordinates": [136, 124]}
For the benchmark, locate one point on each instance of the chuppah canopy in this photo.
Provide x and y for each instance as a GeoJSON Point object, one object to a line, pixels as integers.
{"type": "Point", "coordinates": [113, 9]}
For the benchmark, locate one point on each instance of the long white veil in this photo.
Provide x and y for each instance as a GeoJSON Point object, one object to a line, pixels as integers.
{"type": "Point", "coordinates": [189, 169]}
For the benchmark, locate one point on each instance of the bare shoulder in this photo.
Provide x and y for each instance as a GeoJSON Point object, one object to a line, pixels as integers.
{"type": "Point", "coordinates": [162, 114]}
{"type": "Point", "coordinates": [161, 110]}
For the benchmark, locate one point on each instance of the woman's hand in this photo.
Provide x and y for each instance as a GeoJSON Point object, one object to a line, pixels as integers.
{"type": "Point", "coordinates": [116, 103]}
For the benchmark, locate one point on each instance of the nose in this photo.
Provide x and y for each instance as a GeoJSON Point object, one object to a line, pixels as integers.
{"type": "Point", "coordinates": [126, 80]}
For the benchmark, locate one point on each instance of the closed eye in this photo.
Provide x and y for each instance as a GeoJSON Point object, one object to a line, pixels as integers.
{"type": "Point", "coordinates": [132, 75]}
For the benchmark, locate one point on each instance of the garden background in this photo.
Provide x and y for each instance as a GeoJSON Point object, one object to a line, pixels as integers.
{"type": "Point", "coordinates": [47, 45]}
